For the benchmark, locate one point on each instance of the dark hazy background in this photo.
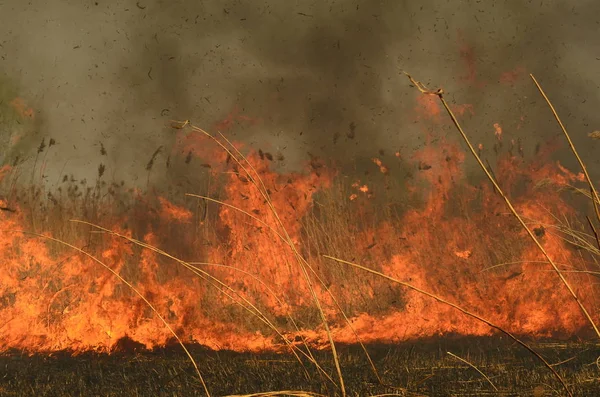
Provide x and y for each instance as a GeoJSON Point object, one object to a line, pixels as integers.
{"type": "Point", "coordinates": [321, 76]}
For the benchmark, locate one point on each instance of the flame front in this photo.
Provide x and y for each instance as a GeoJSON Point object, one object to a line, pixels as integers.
{"type": "Point", "coordinates": [455, 240]}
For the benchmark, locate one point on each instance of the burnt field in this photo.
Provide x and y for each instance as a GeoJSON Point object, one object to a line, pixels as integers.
{"type": "Point", "coordinates": [432, 368]}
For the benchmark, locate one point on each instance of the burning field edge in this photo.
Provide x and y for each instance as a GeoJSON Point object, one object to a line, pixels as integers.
{"type": "Point", "coordinates": [308, 276]}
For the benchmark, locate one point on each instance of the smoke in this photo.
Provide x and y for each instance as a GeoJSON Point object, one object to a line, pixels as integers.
{"type": "Point", "coordinates": [320, 77]}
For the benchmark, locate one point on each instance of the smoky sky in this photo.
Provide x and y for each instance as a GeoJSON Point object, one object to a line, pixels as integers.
{"type": "Point", "coordinates": [321, 77]}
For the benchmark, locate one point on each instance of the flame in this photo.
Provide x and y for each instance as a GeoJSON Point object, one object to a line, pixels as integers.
{"type": "Point", "coordinates": [498, 131]}
{"type": "Point", "coordinates": [455, 240]}
{"type": "Point", "coordinates": [4, 170]}
{"type": "Point", "coordinates": [466, 254]}
{"type": "Point", "coordinates": [382, 168]}
{"type": "Point", "coordinates": [21, 108]}
{"type": "Point", "coordinates": [235, 117]}
{"type": "Point", "coordinates": [171, 211]}
{"type": "Point", "coordinates": [428, 108]}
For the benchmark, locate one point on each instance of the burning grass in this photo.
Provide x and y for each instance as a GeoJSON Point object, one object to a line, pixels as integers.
{"type": "Point", "coordinates": [258, 262]}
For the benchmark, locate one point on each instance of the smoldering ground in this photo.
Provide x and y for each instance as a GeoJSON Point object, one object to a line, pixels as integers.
{"type": "Point", "coordinates": [315, 77]}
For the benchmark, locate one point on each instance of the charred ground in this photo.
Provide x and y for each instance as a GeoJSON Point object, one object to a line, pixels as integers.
{"type": "Point", "coordinates": [416, 368]}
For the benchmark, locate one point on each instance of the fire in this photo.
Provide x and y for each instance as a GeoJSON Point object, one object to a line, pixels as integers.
{"type": "Point", "coordinates": [466, 254]}
{"type": "Point", "coordinates": [498, 131]}
{"type": "Point", "coordinates": [22, 109]}
{"type": "Point", "coordinates": [228, 276]}
{"type": "Point", "coordinates": [382, 168]}
{"type": "Point", "coordinates": [4, 170]}
{"type": "Point", "coordinates": [170, 211]}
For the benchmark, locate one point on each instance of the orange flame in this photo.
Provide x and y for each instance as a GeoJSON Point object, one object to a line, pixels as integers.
{"type": "Point", "coordinates": [22, 109]}
{"type": "Point", "coordinates": [498, 131]}
{"type": "Point", "coordinates": [455, 240]}
{"type": "Point", "coordinates": [4, 170]}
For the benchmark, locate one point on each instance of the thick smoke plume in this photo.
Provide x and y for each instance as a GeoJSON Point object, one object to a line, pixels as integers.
{"type": "Point", "coordinates": [295, 78]}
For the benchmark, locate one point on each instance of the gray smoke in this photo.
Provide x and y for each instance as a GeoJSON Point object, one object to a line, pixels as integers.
{"type": "Point", "coordinates": [322, 76]}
